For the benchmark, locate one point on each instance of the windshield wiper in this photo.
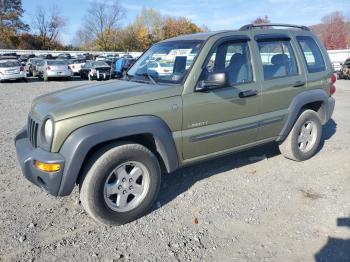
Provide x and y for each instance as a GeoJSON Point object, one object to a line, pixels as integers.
{"type": "Point", "coordinates": [149, 77]}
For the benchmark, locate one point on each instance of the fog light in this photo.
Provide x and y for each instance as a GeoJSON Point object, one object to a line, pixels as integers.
{"type": "Point", "coordinates": [47, 167]}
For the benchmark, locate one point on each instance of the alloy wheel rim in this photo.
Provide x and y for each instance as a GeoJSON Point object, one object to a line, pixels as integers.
{"type": "Point", "coordinates": [307, 136]}
{"type": "Point", "coordinates": [126, 186]}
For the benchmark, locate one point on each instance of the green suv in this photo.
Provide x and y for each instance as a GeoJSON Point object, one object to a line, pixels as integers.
{"type": "Point", "coordinates": [185, 100]}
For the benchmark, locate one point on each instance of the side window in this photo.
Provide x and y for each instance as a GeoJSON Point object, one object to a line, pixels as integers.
{"type": "Point", "coordinates": [278, 59]}
{"type": "Point", "coordinates": [312, 54]}
{"type": "Point", "coordinates": [233, 59]}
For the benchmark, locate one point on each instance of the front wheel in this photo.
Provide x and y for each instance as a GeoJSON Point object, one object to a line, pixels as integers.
{"type": "Point", "coordinates": [304, 138]}
{"type": "Point", "coordinates": [121, 184]}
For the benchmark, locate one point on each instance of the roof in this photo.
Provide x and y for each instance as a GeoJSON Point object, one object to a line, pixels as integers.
{"type": "Point", "coordinates": [204, 36]}
{"type": "Point", "coordinates": [199, 36]}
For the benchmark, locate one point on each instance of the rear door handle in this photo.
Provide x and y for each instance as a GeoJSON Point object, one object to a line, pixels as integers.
{"type": "Point", "coordinates": [248, 93]}
{"type": "Point", "coordinates": [299, 84]}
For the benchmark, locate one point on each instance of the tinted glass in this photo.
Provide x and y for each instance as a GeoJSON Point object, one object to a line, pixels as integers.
{"type": "Point", "coordinates": [56, 62]}
{"type": "Point", "coordinates": [278, 59]}
{"type": "Point", "coordinates": [9, 64]}
{"type": "Point", "coordinates": [178, 56]}
{"type": "Point", "coordinates": [99, 63]}
{"type": "Point", "coordinates": [312, 54]}
{"type": "Point", "coordinates": [233, 59]}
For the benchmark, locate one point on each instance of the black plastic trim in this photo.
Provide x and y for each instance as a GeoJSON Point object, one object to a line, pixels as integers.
{"type": "Point", "coordinates": [300, 101]}
{"type": "Point", "coordinates": [79, 143]}
{"type": "Point", "coordinates": [271, 37]}
{"type": "Point", "coordinates": [228, 131]}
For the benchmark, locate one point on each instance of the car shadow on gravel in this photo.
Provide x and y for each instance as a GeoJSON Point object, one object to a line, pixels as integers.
{"type": "Point", "coordinates": [328, 131]}
{"type": "Point", "coordinates": [336, 249]}
{"type": "Point", "coordinates": [181, 180]}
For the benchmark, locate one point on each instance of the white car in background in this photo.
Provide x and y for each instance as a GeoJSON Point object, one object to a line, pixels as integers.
{"type": "Point", "coordinates": [75, 65]}
{"type": "Point", "coordinates": [49, 69]}
{"type": "Point", "coordinates": [162, 68]}
{"type": "Point", "coordinates": [12, 70]}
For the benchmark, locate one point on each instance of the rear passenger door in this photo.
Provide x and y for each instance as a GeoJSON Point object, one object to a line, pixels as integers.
{"type": "Point", "coordinates": [282, 77]}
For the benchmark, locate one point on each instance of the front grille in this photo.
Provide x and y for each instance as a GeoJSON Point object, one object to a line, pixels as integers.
{"type": "Point", "coordinates": [104, 71]}
{"type": "Point", "coordinates": [32, 129]}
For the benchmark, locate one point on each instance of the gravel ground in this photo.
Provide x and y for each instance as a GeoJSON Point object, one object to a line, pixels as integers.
{"type": "Point", "coordinates": [251, 206]}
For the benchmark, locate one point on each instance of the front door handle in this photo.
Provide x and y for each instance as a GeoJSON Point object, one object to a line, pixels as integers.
{"type": "Point", "coordinates": [248, 93]}
{"type": "Point", "coordinates": [299, 83]}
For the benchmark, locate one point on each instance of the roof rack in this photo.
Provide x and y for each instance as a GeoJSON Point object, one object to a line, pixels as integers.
{"type": "Point", "coordinates": [252, 26]}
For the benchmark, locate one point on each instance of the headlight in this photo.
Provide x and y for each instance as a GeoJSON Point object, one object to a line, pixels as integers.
{"type": "Point", "coordinates": [48, 130]}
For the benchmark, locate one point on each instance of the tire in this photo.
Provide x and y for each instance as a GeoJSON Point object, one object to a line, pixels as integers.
{"type": "Point", "coordinates": [298, 146]}
{"type": "Point", "coordinates": [99, 173]}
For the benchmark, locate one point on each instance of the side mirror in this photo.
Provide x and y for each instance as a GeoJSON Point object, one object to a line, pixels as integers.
{"type": "Point", "coordinates": [213, 81]}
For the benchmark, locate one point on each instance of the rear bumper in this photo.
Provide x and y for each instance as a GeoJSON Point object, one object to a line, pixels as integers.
{"type": "Point", "coordinates": [13, 76]}
{"type": "Point", "coordinates": [59, 73]}
{"type": "Point", "coordinates": [26, 156]}
{"type": "Point", "coordinates": [331, 106]}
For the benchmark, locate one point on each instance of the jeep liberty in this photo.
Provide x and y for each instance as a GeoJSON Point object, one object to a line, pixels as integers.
{"type": "Point", "coordinates": [186, 99]}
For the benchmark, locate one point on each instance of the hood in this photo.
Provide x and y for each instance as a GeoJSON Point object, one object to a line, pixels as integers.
{"type": "Point", "coordinates": [90, 98]}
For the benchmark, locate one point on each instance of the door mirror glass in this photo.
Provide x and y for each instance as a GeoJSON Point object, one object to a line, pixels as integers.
{"type": "Point", "coordinates": [213, 81]}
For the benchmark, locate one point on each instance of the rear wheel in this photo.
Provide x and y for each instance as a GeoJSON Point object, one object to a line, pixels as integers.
{"type": "Point", "coordinates": [304, 138]}
{"type": "Point", "coordinates": [121, 184]}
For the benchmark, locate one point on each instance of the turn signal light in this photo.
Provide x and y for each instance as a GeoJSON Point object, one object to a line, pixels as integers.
{"type": "Point", "coordinates": [47, 167]}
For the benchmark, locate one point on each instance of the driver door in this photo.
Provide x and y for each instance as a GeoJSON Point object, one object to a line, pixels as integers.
{"type": "Point", "coordinates": [220, 119]}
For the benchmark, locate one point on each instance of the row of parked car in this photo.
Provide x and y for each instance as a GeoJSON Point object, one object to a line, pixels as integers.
{"type": "Point", "coordinates": [344, 71]}
{"type": "Point", "coordinates": [64, 66]}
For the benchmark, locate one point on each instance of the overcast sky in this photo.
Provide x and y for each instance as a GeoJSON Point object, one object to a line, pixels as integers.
{"type": "Point", "coordinates": [217, 15]}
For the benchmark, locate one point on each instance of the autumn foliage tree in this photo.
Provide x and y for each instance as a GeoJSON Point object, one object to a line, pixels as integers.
{"type": "Point", "coordinates": [11, 24]}
{"type": "Point", "coordinates": [179, 26]}
{"type": "Point", "coordinates": [262, 20]}
{"type": "Point", "coordinates": [334, 31]}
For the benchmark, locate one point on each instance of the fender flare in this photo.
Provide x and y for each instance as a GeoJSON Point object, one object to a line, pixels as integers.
{"type": "Point", "coordinates": [302, 99]}
{"type": "Point", "coordinates": [78, 144]}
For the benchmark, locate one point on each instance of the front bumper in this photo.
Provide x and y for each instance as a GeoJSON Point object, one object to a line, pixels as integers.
{"type": "Point", "coordinates": [102, 75]}
{"type": "Point", "coordinates": [27, 154]}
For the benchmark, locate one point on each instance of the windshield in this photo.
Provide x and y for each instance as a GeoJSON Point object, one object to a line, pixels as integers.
{"type": "Point", "coordinates": [167, 61]}
{"type": "Point", "coordinates": [9, 64]}
{"type": "Point", "coordinates": [56, 62]}
{"type": "Point", "coordinates": [99, 63]}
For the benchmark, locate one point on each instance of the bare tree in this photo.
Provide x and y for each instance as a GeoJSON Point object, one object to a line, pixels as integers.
{"type": "Point", "coordinates": [48, 25]}
{"type": "Point", "coordinates": [101, 21]}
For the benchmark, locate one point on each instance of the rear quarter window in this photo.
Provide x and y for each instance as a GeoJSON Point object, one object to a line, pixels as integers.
{"type": "Point", "coordinates": [312, 54]}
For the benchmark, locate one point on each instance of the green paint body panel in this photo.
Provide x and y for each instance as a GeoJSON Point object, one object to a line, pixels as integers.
{"type": "Point", "coordinates": [203, 124]}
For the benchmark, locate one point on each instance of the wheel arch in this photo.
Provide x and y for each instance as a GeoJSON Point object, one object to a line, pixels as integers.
{"type": "Point", "coordinates": [316, 100]}
{"type": "Point", "coordinates": [150, 131]}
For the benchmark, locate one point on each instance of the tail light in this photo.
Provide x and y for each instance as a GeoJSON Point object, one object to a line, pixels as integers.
{"type": "Point", "coordinates": [332, 81]}
{"type": "Point", "coordinates": [48, 68]}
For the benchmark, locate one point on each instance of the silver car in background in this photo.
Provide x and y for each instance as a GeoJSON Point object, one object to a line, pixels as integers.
{"type": "Point", "coordinates": [12, 70]}
{"type": "Point", "coordinates": [49, 69]}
